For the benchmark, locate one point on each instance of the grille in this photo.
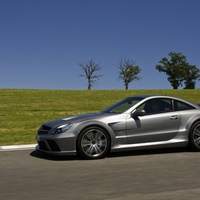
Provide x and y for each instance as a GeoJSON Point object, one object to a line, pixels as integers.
{"type": "Point", "coordinates": [42, 146]}
{"type": "Point", "coordinates": [53, 145]}
{"type": "Point", "coordinates": [44, 130]}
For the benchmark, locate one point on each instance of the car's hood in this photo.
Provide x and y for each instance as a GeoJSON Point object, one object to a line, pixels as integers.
{"type": "Point", "coordinates": [78, 118]}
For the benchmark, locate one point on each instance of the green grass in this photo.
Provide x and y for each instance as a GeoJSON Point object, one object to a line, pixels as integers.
{"type": "Point", "coordinates": [23, 111]}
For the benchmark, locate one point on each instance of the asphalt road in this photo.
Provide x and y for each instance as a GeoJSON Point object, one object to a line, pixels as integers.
{"type": "Point", "coordinates": [140, 175]}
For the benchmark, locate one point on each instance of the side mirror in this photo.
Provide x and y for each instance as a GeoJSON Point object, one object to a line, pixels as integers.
{"type": "Point", "coordinates": [138, 113]}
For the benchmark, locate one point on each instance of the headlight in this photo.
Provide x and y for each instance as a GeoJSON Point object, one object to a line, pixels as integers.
{"type": "Point", "coordinates": [61, 129]}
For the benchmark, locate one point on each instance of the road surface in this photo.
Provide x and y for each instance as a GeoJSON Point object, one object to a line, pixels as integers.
{"type": "Point", "coordinates": [140, 175]}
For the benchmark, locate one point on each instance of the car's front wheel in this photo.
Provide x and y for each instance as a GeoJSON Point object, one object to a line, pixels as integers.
{"type": "Point", "coordinates": [93, 143]}
{"type": "Point", "coordinates": [194, 137]}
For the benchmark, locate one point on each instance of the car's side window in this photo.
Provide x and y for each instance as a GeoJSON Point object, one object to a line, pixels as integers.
{"type": "Point", "coordinates": [178, 106]}
{"type": "Point", "coordinates": [158, 105]}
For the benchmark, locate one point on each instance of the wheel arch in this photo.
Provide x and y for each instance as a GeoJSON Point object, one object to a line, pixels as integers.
{"type": "Point", "coordinates": [191, 122]}
{"type": "Point", "coordinates": [194, 140]}
{"type": "Point", "coordinates": [191, 125]}
{"type": "Point", "coordinates": [84, 153]}
{"type": "Point", "coordinates": [103, 126]}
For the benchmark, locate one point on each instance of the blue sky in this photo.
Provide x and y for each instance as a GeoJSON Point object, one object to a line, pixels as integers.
{"type": "Point", "coordinates": [42, 41]}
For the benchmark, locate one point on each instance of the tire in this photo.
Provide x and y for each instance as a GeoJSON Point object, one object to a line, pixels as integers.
{"type": "Point", "coordinates": [93, 143]}
{"type": "Point", "coordinates": [194, 137]}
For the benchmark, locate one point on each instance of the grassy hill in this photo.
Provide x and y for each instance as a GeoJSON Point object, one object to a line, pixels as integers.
{"type": "Point", "coordinates": [23, 111]}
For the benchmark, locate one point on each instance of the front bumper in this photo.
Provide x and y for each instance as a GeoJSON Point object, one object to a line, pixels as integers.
{"type": "Point", "coordinates": [64, 153]}
{"type": "Point", "coordinates": [56, 145]}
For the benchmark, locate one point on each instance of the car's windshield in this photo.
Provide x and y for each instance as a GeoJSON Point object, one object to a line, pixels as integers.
{"type": "Point", "coordinates": [122, 106]}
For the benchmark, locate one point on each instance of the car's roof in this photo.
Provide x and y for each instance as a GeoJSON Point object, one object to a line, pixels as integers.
{"type": "Point", "coordinates": [146, 96]}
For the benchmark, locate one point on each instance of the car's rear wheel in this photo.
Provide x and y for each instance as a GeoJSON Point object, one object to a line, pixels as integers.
{"type": "Point", "coordinates": [194, 137]}
{"type": "Point", "coordinates": [93, 143]}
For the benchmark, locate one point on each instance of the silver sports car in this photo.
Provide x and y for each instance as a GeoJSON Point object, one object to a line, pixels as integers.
{"type": "Point", "coordinates": [139, 122]}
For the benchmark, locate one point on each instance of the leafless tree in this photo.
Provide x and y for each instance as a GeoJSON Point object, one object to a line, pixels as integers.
{"type": "Point", "coordinates": [90, 68]}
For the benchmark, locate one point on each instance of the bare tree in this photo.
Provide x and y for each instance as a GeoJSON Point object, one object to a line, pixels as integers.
{"type": "Point", "coordinates": [128, 71]}
{"type": "Point", "coordinates": [90, 68]}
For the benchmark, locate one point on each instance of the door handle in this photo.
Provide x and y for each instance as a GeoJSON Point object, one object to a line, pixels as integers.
{"type": "Point", "coordinates": [174, 117]}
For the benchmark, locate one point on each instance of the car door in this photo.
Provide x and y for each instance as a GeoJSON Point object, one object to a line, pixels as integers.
{"type": "Point", "coordinates": [156, 126]}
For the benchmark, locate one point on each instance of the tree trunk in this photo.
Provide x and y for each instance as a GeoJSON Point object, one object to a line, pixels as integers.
{"type": "Point", "coordinates": [89, 84]}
